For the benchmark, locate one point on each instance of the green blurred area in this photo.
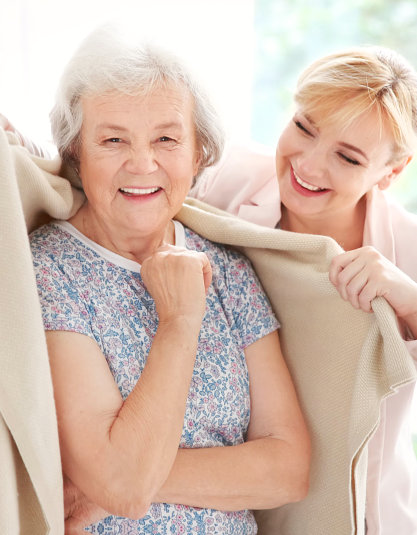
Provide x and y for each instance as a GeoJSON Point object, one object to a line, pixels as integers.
{"type": "Point", "coordinates": [290, 34]}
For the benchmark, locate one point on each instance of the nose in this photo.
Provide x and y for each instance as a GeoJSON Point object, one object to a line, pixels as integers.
{"type": "Point", "coordinates": [141, 161]}
{"type": "Point", "coordinates": [311, 162]}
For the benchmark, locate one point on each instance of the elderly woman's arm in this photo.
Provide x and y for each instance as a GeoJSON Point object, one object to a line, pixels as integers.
{"type": "Point", "coordinates": [118, 452]}
{"type": "Point", "coordinates": [268, 470]}
{"type": "Point", "coordinates": [271, 468]}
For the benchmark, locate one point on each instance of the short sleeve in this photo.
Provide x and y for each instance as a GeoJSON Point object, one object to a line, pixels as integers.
{"type": "Point", "coordinates": [253, 317]}
{"type": "Point", "coordinates": [64, 306]}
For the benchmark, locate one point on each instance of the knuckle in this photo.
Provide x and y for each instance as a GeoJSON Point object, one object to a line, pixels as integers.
{"type": "Point", "coordinates": [351, 292]}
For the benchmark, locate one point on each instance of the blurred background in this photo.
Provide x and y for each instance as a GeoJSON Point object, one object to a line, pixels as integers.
{"type": "Point", "coordinates": [289, 34]}
{"type": "Point", "coordinates": [247, 52]}
{"type": "Point", "coordinates": [38, 37]}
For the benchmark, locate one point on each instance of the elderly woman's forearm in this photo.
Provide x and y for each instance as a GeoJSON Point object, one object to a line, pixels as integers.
{"type": "Point", "coordinates": [258, 474]}
{"type": "Point", "coordinates": [151, 419]}
{"type": "Point", "coordinates": [119, 457]}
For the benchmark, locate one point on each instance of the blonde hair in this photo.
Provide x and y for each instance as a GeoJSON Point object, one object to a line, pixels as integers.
{"type": "Point", "coordinates": [107, 62]}
{"type": "Point", "coordinates": [339, 87]}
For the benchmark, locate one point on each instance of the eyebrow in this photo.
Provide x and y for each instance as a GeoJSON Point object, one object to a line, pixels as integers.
{"type": "Point", "coordinates": [109, 126]}
{"type": "Point", "coordinates": [118, 128]}
{"type": "Point", "coordinates": [171, 124]}
{"type": "Point", "coordinates": [342, 143]}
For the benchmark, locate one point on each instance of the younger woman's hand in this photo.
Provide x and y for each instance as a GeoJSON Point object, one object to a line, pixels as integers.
{"type": "Point", "coordinates": [363, 274]}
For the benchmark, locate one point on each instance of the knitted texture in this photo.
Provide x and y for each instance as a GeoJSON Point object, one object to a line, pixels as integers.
{"type": "Point", "coordinates": [343, 362]}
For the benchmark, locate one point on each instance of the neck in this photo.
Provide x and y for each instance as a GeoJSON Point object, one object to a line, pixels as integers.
{"type": "Point", "coordinates": [132, 246]}
{"type": "Point", "coordinates": [345, 228]}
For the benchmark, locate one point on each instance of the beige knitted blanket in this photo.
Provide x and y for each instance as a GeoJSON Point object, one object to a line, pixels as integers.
{"type": "Point", "coordinates": [343, 361]}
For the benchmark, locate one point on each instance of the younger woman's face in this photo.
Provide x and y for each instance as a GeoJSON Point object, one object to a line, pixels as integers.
{"type": "Point", "coordinates": [324, 170]}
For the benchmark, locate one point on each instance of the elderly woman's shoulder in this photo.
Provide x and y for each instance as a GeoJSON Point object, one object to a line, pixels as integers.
{"type": "Point", "coordinates": [45, 230]}
{"type": "Point", "coordinates": [49, 240]}
{"type": "Point", "coordinates": [218, 253]}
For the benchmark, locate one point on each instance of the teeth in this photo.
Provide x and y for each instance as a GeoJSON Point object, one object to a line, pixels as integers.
{"type": "Point", "coordinates": [139, 191]}
{"type": "Point", "coordinates": [306, 185]}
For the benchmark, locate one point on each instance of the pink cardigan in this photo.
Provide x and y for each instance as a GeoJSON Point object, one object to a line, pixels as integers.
{"type": "Point", "coordinates": [244, 183]}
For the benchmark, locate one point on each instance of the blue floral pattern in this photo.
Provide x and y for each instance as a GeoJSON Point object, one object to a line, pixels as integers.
{"type": "Point", "coordinates": [82, 291]}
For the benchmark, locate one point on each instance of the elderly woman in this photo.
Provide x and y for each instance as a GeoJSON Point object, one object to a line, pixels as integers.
{"type": "Point", "coordinates": [176, 411]}
{"type": "Point", "coordinates": [353, 132]}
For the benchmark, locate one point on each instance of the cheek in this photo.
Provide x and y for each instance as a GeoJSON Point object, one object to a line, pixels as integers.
{"type": "Point", "coordinates": [286, 141]}
{"type": "Point", "coordinates": [350, 185]}
{"type": "Point", "coordinates": [181, 171]}
{"type": "Point", "coordinates": [183, 185]}
{"type": "Point", "coordinates": [90, 167]}
{"type": "Point", "coordinates": [98, 181]}
{"type": "Point", "coordinates": [282, 152]}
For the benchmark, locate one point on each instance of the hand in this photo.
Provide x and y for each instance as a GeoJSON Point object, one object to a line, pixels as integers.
{"type": "Point", "coordinates": [32, 147]}
{"type": "Point", "coordinates": [5, 124]}
{"type": "Point", "coordinates": [363, 274]}
{"type": "Point", "coordinates": [178, 280]}
{"type": "Point", "coordinates": [79, 511]}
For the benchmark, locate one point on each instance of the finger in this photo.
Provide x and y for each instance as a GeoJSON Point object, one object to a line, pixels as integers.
{"type": "Point", "coordinates": [178, 251]}
{"type": "Point", "coordinates": [366, 296]}
{"type": "Point", "coordinates": [334, 271]}
{"type": "Point", "coordinates": [4, 122]}
{"type": "Point", "coordinates": [165, 248]}
{"type": "Point", "coordinates": [339, 263]}
{"type": "Point", "coordinates": [207, 271]}
{"type": "Point", "coordinates": [355, 293]}
{"type": "Point", "coordinates": [72, 527]}
{"type": "Point", "coordinates": [349, 278]}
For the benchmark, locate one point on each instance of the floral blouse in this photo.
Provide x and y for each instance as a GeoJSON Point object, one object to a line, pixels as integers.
{"type": "Point", "coordinates": [88, 289]}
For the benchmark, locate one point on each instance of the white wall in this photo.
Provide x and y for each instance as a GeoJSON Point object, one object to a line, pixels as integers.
{"type": "Point", "coordinates": [38, 37]}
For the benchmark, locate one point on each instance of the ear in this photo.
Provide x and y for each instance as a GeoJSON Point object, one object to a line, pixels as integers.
{"type": "Point", "coordinates": [398, 168]}
{"type": "Point", "coordinates": [197, 161]}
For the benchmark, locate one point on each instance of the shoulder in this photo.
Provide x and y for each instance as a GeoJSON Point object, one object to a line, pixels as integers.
{"type": "Point", "coordinates": [228, 264]}
{"type": "Point", "coordinates": [46, 238]}
{"type": "Point", "coordinates": [217, 252]}
{"type": "Point", "coordinates": [401, 216]}
{"type": "Point", "coordinates": [404, 233]}
{"type": "Point", "coordinates": [54, 248]}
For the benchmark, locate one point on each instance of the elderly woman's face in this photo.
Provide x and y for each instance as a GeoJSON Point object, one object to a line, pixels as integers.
{"type": "Point", "coordinates": [138, 158]}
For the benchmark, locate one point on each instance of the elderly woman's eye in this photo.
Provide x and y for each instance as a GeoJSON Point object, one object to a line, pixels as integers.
{"type": "Point", "coordinates": [114, 140]}
{"type": "Point", "coordinates": [165, 138]}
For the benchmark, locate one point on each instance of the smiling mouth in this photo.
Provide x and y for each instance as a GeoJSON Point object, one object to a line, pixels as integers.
{"type": "Point", "coordinates": [306, 185]}
{"type": "Point", "coordinates": [139, 191]}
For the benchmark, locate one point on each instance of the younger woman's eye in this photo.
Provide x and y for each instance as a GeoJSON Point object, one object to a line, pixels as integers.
{"type": "Point", "coordinates": [301, 127]}
{"type": "Point", "coordinates": [352, 161]}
